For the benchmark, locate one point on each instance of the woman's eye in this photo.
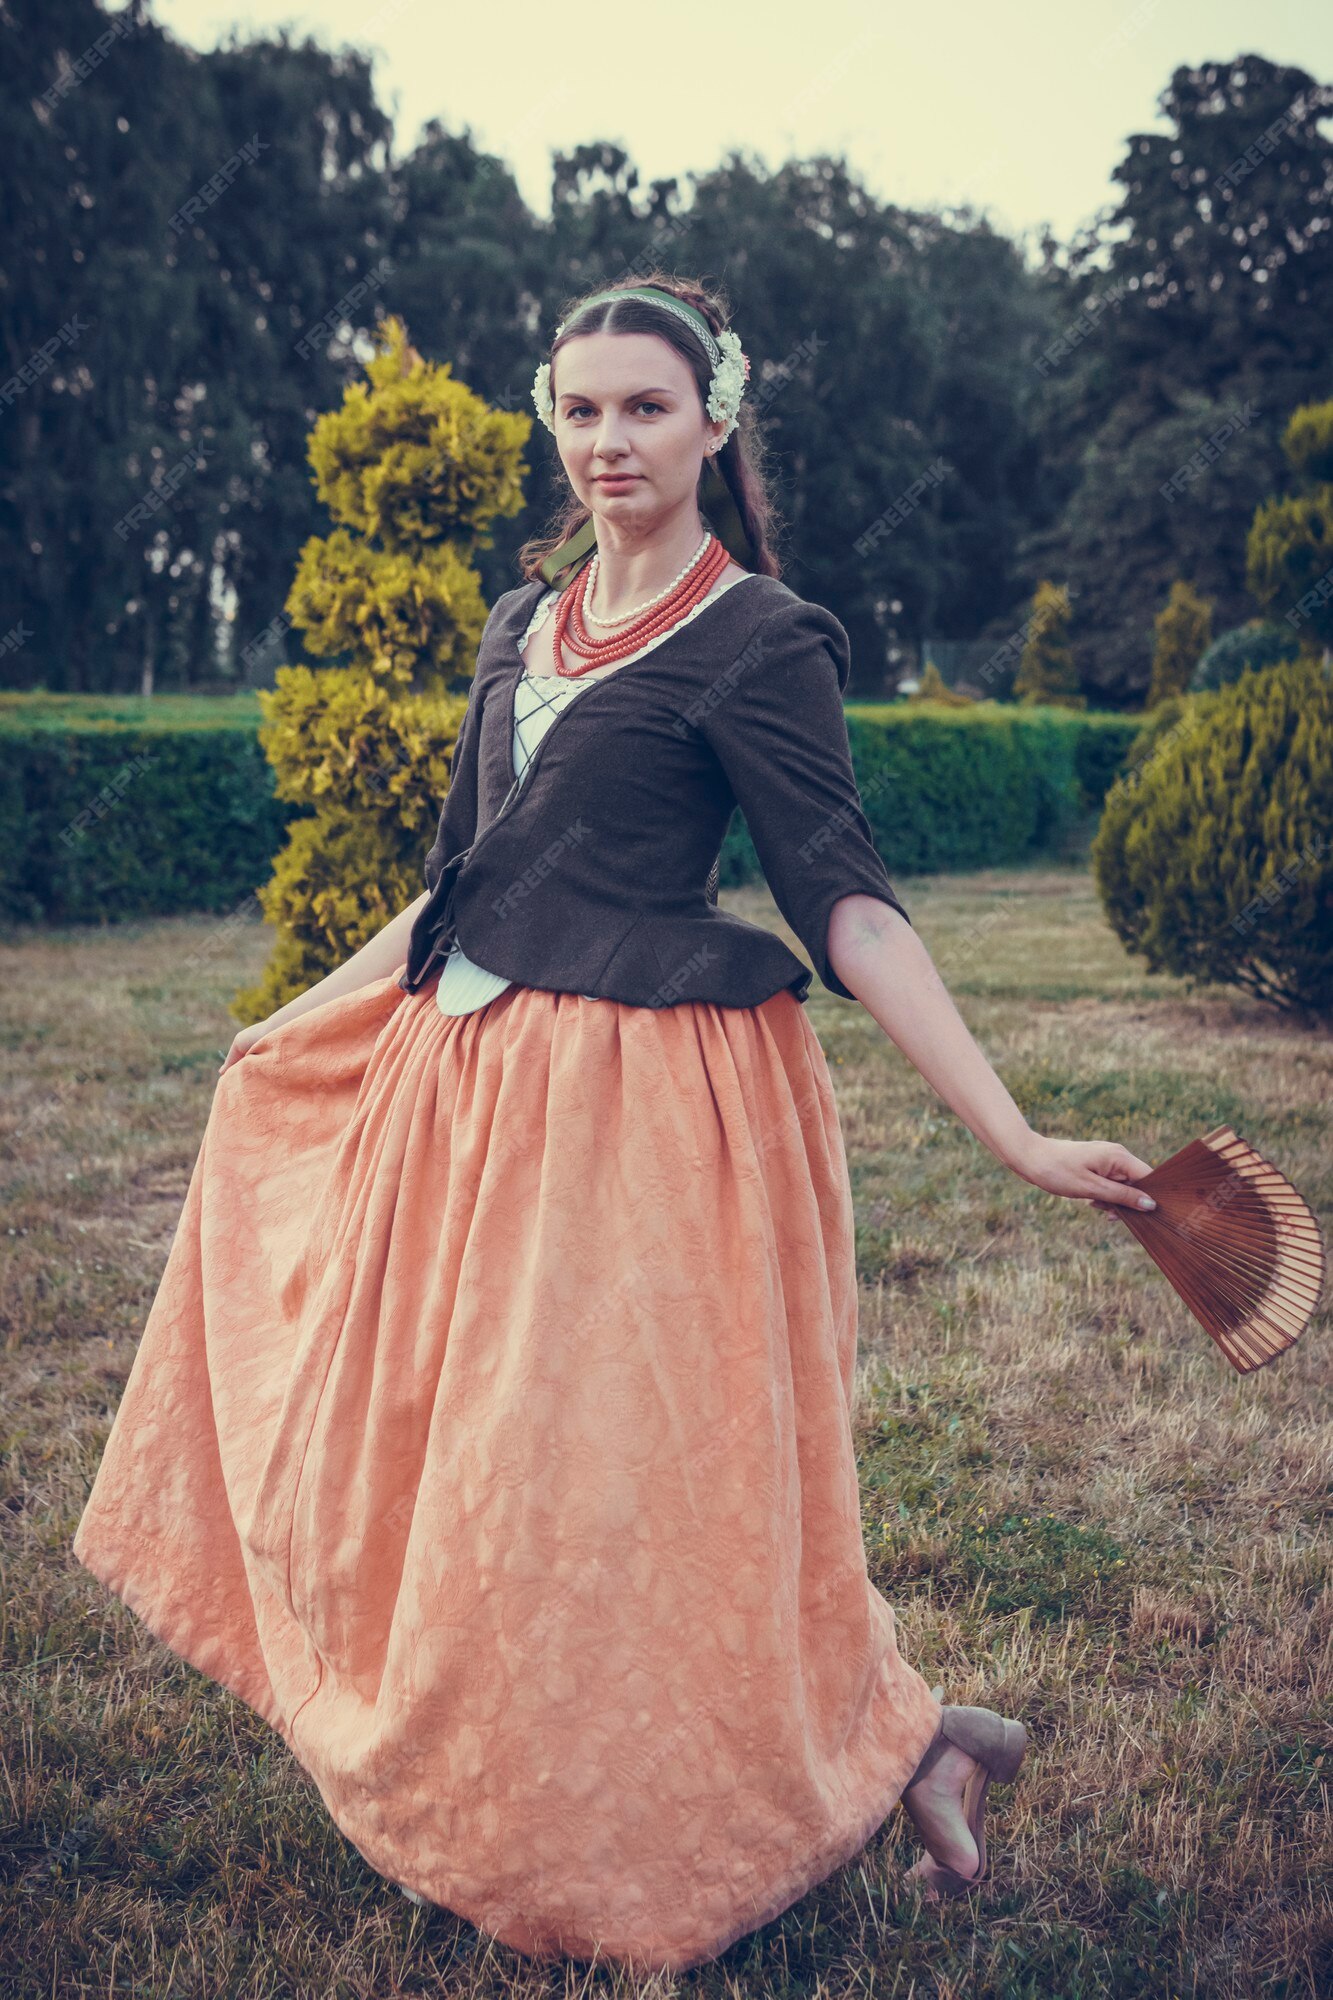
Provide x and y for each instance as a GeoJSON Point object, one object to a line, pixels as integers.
{"type": "Point", "coordinates": [645, 403]}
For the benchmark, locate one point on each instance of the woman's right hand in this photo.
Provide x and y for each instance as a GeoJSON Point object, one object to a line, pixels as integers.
{"type": "Point", "coordinates": [1099, 1171]}
{"type": "Point", "coordinates": [243, 1041]}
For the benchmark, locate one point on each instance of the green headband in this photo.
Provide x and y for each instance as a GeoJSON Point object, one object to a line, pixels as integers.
{"type": "Point", "coordinates": [655, 297]}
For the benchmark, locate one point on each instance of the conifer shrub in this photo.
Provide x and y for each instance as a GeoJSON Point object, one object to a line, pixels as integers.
{"type": "Point", "coordinates": [1182, 631]}
{"type": "Point", "coordinates": [415, 469]}
{"type": "Point", "coordinates": [934, 687]}
{"type": "Point", "coordinates": [1047, 671]}
{"type": "Point", "coordinates": [1260, 643]}
{"type": "Point", "coordinates": [1213, 857]}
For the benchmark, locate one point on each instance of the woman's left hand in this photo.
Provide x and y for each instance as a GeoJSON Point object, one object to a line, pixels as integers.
{"type": "Point", "coordinates": [1094, 1170]}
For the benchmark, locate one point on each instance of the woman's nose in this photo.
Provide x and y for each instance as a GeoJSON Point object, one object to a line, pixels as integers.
{"type": "Point", "coordinates": [609, 443]}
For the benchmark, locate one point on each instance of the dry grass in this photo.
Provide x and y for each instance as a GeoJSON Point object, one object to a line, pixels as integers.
{"type": "Point", "coordinates": [1080, 1514]}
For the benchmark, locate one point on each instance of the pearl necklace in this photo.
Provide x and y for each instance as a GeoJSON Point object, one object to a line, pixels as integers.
{"type": "Point", "coordinates": [591, 618]}
{"type": "Point", "coordinates": [689, 590]}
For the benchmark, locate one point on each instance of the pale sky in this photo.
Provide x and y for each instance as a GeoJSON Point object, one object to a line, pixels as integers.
{"type": "Point", "coordinates": [1022, 110]}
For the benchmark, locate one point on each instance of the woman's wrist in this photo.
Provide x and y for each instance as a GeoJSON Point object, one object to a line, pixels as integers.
{"type": "Point", "coordinates": [1016, 1146]}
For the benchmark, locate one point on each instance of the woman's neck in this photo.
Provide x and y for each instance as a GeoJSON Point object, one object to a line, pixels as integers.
{"type": "Point", "coordinates": [627, 577]}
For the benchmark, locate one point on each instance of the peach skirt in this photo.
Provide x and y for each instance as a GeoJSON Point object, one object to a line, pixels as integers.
{"type": "Point", "coordinates": [489, 1436]}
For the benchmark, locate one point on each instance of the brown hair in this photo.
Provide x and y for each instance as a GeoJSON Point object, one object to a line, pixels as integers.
{"type": "Point", "coordinates": [739, 460]}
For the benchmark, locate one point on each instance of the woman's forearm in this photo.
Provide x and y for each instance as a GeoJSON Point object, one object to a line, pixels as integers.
{"type": "Point", "coordinates": [377, 958]}
{"type": "Point", "coordinates": [881, 959]}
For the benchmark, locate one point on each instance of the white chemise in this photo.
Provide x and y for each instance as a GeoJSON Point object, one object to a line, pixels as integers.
{"type": "Point", "coordinates": [538, 699]}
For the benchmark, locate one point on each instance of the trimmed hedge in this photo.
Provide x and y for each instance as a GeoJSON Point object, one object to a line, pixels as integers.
{"type": "Point", "coordinates": [978, 787]}
{"type": "Point", "coordinates": [104, 816]}
{"type": "Point", "coordinates": [123, 808]}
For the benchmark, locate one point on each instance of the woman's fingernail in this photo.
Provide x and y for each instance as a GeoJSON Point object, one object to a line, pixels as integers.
{"type": "Point", "coordinates": [1146, 1201]}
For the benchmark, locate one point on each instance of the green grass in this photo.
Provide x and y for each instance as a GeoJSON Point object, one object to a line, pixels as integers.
{"type": "Point", "coordinates": [1079, 1513]}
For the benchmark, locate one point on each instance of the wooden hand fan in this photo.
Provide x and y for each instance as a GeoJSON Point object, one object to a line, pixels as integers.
{"type": "Point", "coordinates": [1236, 1241]}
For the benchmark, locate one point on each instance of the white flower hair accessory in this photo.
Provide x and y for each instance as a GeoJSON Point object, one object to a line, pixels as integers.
{"type": "Point", "coordinates": [731, 365]}
{"type": "Point", "coordinates": [541, 395]}
{"type": "Point", "coordinates": [728, 384]}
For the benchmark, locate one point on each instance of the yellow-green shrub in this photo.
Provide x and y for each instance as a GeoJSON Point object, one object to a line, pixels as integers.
{"type": "Point", "coordinates": [421, 612]}
{"type": "Point", "coordinates": [415, 469]}
{"type": "Point", "coordinates": [1214, 854]}
{"type": "Point", "coordinates": [934, 687]}
{"type": "Point", "coordinates": [1047, 671]}
{"type": "Point", "coordinates": [1289, 552]}
{"type": "Point", "coordinates": [1183, 631]}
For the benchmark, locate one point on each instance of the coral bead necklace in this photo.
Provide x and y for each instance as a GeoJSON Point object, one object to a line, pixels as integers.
{"type": "Point", "coordinates": [656, 617]}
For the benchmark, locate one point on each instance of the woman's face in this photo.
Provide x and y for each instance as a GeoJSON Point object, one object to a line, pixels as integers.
{"type": "Point", "coordinates": [627, 404]}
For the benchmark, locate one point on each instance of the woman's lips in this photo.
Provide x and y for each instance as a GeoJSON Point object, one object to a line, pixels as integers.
{"type": "Point", "coordinates": [616, 479]}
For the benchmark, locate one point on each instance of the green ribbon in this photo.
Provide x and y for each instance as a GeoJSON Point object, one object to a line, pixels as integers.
{"type": "Point", "coordinates": [570, 553]}
{"type": "Point", "coordinates": [716, 503]}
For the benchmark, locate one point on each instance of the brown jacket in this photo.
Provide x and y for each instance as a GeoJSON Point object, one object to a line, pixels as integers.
{"type": "Point", "coordinates": [590, 876]}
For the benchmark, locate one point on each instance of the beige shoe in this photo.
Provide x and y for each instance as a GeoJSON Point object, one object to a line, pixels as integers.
{"type": "Point", "coordinates": [997, 1744]}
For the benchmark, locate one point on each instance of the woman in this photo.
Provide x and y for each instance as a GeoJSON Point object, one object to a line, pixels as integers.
{"type": "Point", "coordinates": [489, 1433]}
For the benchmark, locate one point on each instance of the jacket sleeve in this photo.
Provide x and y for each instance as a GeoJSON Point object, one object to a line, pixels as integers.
{"type": "Point", "coordinates": [775, 721]}
{"type": "Point", "coordinates": [458, 816]}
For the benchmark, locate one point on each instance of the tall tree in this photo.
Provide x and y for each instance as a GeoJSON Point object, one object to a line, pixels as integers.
{"type": "Point", "coordinates": [190, 216]}
{"type": "Point", "coordinates": [1205, 298]}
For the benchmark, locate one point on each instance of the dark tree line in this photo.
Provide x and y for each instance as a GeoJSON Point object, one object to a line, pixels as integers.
{"type": "Point", "coordinates": [193, 246]}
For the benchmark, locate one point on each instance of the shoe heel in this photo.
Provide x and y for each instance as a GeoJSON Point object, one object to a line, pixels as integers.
{"type": "Point", "coordinates": [997, 1744]}
{"type": "Point", "coordinates": [996, 1741]}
